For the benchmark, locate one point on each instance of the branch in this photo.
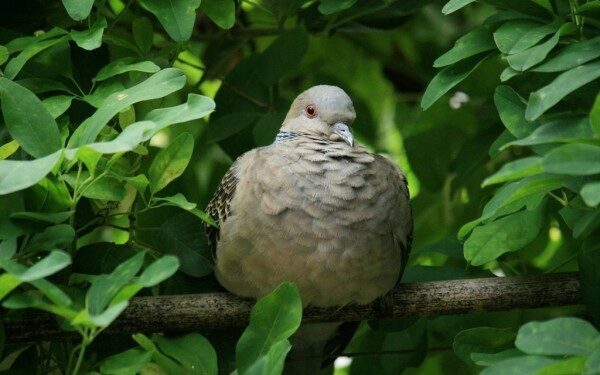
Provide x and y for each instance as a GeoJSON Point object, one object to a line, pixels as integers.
{"type": "Point", "coordinates": [201, 312]}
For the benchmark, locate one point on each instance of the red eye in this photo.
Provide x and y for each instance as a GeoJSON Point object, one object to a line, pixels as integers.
{"type": "Point", "coordinates": [311, 111]}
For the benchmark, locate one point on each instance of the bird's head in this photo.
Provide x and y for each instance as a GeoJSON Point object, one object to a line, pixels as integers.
{"type": "Point", "coordinates": [322, 110]}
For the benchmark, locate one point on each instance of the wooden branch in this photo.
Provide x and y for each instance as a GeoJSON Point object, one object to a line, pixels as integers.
{"type": "Point", "coordinates": [202, 312]}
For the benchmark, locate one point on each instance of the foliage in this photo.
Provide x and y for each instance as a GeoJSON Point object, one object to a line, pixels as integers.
{"type": "Point", "coordinates": [107, 152]}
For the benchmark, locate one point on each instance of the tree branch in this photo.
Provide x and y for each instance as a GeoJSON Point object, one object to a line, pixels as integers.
{"type": "Point", "coordinates": [201, 312]}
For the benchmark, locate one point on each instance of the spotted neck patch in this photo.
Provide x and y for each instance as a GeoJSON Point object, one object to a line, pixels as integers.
{"type": "Point", "coordinates": [284, 136]}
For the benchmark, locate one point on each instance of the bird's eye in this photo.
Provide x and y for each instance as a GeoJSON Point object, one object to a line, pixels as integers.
{"type": "Point", "coordinates": [311, 111]}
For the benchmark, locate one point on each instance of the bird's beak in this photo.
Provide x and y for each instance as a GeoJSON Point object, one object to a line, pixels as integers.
{"type": "Point", "coordinates": [344, 132]}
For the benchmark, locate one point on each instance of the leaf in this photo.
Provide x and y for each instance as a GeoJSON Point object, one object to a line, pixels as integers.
{"type": "Point", "coordinates": [143, 33]}
{"type": "Point", "coordinates": [7, 149]}
{"type": "Point", "coordinates": [56, 236]}
{"type": "Point", "coordinates": [221, 12]}
{"type": "Point", "coordinates": [511, 108]}
{"type": "Point", "coordinates": [3, 54]}
{"type": "Point", "coordinates": [592, 366]}
{"type": "Point", "coordinates": [184, 235]}
{"type": "Point", "coordinates": [28, 121]}
{"type": "Point", "coordinates": [486, 359]}
{"type": "Point", "coordinates": [92, 38]}
{"type": "Point", "coordinates": [128, 362]}
{"type": "Point", "coordinates": [177, 200]}
{"type": "Point", "coordinates": [160, 270]}
{"type": "Point", "coordinates": [590, 193]}
{"type": "Point", "coordinates": [577, 159]}
{"type": "Point", "coordinates": [454, 5]}
{"type": "Point", "coordinates": [42, 85]}
{"type": "Point", "coordinates": [328, 7]}
{"type": "Point", "coordinates": [170, 162]}
{"type": "Point", "coordinates": [107, 286]}
{"type": "Point", "coordinates": [197, 106]}
{"type": "Point", "coordinates": [534, 36]}
{"type": "Point", "coordinates": [13, 179]}
{"type": "Point", "coordinates": [8, 248]}
{"type": "Point", "coordinates": [15, 65]}
{"type": "Point", "coordinates": [52, 263]}
{"type": "Point", "coordinates": [567, 366]}
{"type": "Point", "coordinates": [595, 115]}
{"type": "Point", "coordinates": [516, 192]}
{"type": "Point", "coordinates": [482, 340]}
{"type": "Point", "coordinates": [528, 7]}
{"type": "Point", "coordinates": [125, 65]}
{"type": "Point", "coordinates": [448, 78]}
{"type": "Point", "coordinates": [109, 315]}
{"type": "Point", "coordinates": [8, 283]}
{"type": "Point", "coordinates": [509, 34]}
{"type": "Point", "coordinates": [230, 124]}
{"type": "Point", "coordinates": [176, 16]}
{"type": "Point", "coordinates": [282, 55]}
{"type": "Point", "coordinates": [476, 41]}
{"type": "Point", "coordinates": [514, 170]}
{"type": "Point", "coordinates": [158, 85]}
{"type": "Point", "coordinates": [103, 91]}
{"type": "Point", "coordinates": [509, 233]}
{"type": "Point", "coordinates": [559, 336]}
{"type": "Point", "coordinates": [571, 56]}
{"type": "Point", "coordinates": [557, 131]}
{"type": "Point", "coordinates": [546, 97]}
{"type": "Point", "coordinates": [273, 319]}
{"type": "Point", "coordinates": [193, 351]}
{"type": "Point", "coordinates": [105, 188]}
{"type": "Point", "coordinates": [44, 217]}
{"type": "Point", "coordinates": [57, 105]}
{"type": "Point", "coordinates": [524, 60]}
{"type": "Point", "coordinates": [78, 9]}
{"type": "Point", "coordinates": [523, 365]}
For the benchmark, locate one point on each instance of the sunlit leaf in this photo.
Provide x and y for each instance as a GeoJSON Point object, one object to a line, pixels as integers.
{"type": "Point", "coordinates": [125, 65]}
{"type": "Point", "coordinates": [515, 170]}
{"type": "Point", "coordinates": [454, 5]}
{"type": "Point", "coordinates": [221, 12]}
{"type": "Point", "coordinates": [78, 9]}
{"type": "Point", "coordinates": [559, 336]}
{"type": "Point", "coordinates": [13, 179]}
{"type": "Point", "coordinates": [160, 270]}
{"type": "Point", "coordinates": [176, 16]}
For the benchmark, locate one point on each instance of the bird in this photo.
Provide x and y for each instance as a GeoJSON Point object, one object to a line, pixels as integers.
{"type": "Point", "coordinates": [316, 208]}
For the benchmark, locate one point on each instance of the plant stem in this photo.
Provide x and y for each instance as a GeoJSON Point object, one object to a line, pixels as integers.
{"type": "Point", "coordinates": [79, 359]}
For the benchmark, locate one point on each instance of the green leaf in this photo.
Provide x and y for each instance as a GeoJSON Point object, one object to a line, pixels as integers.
{"type": "Point", "coordinates": [577, 159]}
{"type": "Point", "coordinates": [548, 96]}
{"type": "Point", "coordinates": [92, 38]}
{"type": "Point", "coordinates": [454, 5]}
{"type": "Point", "coordinates": [170, 162]}
{"type": "Point", "coordinates": [8, 283]}
{"type": "Point", "coordinates": [595, 115]}
{"type": "Point", "coordinates": [511, 108]}
{"type": "Point", "coordinates": [184, 235]}
{"type": "Point", "coordinates": [557, 131]}
{"type": "Point", "coordinates": [476, 41]}
{"type": "Point", "coordinates": [103, 91]}
{"type": "Point", "coordinates": [590, 193]}
{"type": "Point", "coordinates": [507, 234]}
{"type": "Point", "coordinates": [125, 65]}
{"type": "Point", "coordinates": [8, 248]}
{"type": "Point", "coordinates": [177, 200]}
{"type": "Point", "coordinates": [78, 9]}
{"type": "Point", "coordinates": [524, 60]}
{"type": "Point", "coordinates": [567, 366]}
{"type": "Point", "coordinates": [516, 192]}
{"type": "Point", "coordinates": [588, 260]}
{"type": "Point", "coordinates": [57, 105]}
{"type": "Point", "coordinates": [528, 7]}
{"type": "Point", "coordinates": [282, 55]}
{"type": "Point", "coordinates": [105, 188]}
{"type": "Point", "coordinates": [221, 12]}
{"type": "Point", "coordinates": [52, 263]}
{"type": "Point", "coordinates": [131, 361]}
{"type": "Point", "coordinates": [176, 16]}
{"type": "Point", "coordinates": [107, 286]}
{"type": "Point", "coordinates": [3, 54]}
{"type": "Point", "coordinates": [159, 270]}
{"type": "Point", "coordinates": [559, 336]}
{"type": "Point", "coordinates": [7, 149]}
{"type": "Point", "coordinates": [534, 36]}
{"type": "Point", "coordinates": [571, 56]}
{"type": "Point", "coordinates": [15, 65]}
{"type": "Point", "coordinates": [327, 7]}
{"type": "Point", "coordinates": [193, 351]}
{"type": "Point", "coordinates": [44, 217]}
{"type": "Point", "coordinates": [273, 319]}
{"type": "Point", "coordinates": [482, 340]}
{"type": "Point", "coordinates": [449, 77]}
{"type": "Point", "coordinates": [486, 359]}
{"type": "Point", "coordinates": [197, 106]}
{"type": "Point", "coordinates": [109, 315]}
{"type": "Point", "coordinates": [515, 170]}
{"type": "Point", "coordinates": [13, 179]}
{"type": "Point", "coordinates": [158, 85]}
{"type": "Point", "coordinates": [28, 121]}
{"type": "Point", "coordinates": [592, 366]}
{"type": "Point", "coordinates": [509, 34]}
{"type": "Point", "coordinates": [143, 33]}
{"type": "Point", "coordinates": [524, 365]}
{"type": "Point", "coordinates": [42, 85]}
{"type": "Point", "coordinates": [229, 124]}
{"type": "Point", "coordinates": [56, 236]}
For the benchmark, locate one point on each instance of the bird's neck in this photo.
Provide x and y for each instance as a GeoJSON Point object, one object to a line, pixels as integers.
{"type": "Point", "coordinates": [284, 136]}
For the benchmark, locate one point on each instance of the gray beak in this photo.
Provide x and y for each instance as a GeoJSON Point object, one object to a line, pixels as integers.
{"type": "Point", "coordinates": [343, 131]}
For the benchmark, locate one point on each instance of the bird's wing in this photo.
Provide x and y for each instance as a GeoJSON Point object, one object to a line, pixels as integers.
{"type": "Point", "coordinates": [400, 220]}
{"type": "Point", "coordinates": [219, 206]}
